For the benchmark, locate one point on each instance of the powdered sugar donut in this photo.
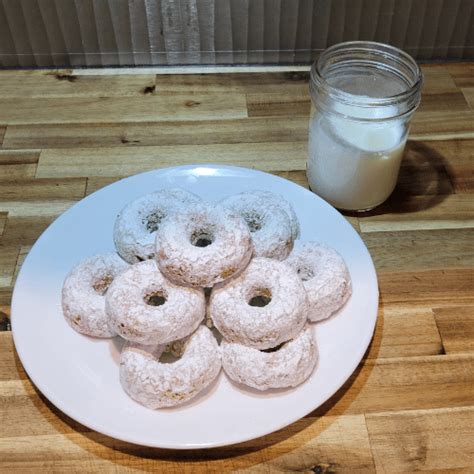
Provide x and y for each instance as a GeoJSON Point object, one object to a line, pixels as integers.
{"type": "Point", "coordinates": [136, 225]}
{"type": "Point", "coordinates": [286, 366]}
{"type": "Point", "coordinates": [156, 385]}
{"type": "Point", "coordinates": [145, 307]}
{"type": "Point", "coordinates": [83, 299]}
{"type": "Point", "coordinates": [284, 204]}
{"type": "Point", "coordinates": [268, 223]}
{"type": "Point", "coordinates": [324, 275]}
{"type": "Point", "coordinates": [262, 307]}
{"type": "Point", "coordinates": [202, 245]}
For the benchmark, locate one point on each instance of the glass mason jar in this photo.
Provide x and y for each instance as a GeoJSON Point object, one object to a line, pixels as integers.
{"type": "Point", "coordinates": [363, 96]}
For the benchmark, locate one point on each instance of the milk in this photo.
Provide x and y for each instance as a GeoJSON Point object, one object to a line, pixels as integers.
{"type": "Point", "coordinates": [354, 164]}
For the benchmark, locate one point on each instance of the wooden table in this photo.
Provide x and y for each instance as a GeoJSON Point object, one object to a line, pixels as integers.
{"type": "Point", "coordinates": [409, 405]}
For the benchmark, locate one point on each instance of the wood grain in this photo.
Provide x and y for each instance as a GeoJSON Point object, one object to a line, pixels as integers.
{"type": "Point", "coordinates": [122, 109]}
{"type": "Point", "coordinates": [403, 331]}
{"type": "Point", "coordinates": [104, 162]}
{"type": "Point", "coordinates": [409, 404]}
{"type": "Point", "coordinates": [3, 221]}
{"type": "Point", "coordinates": [18, 164]}
{"type": "Point", "coordinates": [405, 383]}
{"type": "Point", "coordinates": [462, 73]}
{"type": "Point", "coordinates": [423, 440]}
{"type": "Point", "coordinates": [62, 83]}
{"type": "Point", "coordinates": [456, 327]}
{"type": "Point", "coordinates": [411, 250]}
{"type": "Point", "coordinates": [453, 211]}
{"type": "Point", "coordinates": [192, 132]}
{"type": "Point", "coordinates": [8, 258]}
{"type": "Point", "coordinates": [436, 287]}
{"type": "Point", "coordinates": [287, 83]}
{"type": "Point", "coordinates": [42, 189]}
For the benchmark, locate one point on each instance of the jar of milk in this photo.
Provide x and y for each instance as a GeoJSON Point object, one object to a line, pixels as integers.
{"type": "Point", "coordinates": [363, 96]}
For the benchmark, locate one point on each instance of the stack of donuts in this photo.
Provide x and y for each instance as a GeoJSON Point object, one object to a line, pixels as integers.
{"type": "Point", "coordinates": [223, 285]}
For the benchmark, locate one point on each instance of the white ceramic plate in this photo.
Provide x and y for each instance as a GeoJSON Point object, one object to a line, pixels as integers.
{"type": "Point", "coordinates": [80, 375]}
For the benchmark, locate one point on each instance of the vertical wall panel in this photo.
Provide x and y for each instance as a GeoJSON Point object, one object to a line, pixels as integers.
{"type": "Point", "coordinates": [69, 23]}
{"type": "Point", "coordinates": [223, 32]}
{"type": "Point", "coordinates": [271, 31]}
{"type": "Point", "coordinates": [256, 32]}
{"type": "Point", "coordinates": [304, 31]}
{"type": "Point", "coordinates": [49, 16]}
{"type": "Point", "coordinates": [8, 52]}
{"type": "Point", "coordinates": [65, 33]}
{"type": "Point", "coordinates": [139, 32]}
{"type": "Point", "coordinates": [239, 13]}
{"type": "Point", "coordinates": [17, 25]}
{"type": "Point", "coordinates": [206, 18]}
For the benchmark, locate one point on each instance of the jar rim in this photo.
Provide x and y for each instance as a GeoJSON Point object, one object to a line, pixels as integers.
{"type": "Point", "coordinates": [378, 50]}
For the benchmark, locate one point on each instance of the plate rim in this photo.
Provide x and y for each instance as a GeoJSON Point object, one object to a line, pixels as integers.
{"type": "Point", "coordinates": [38, 384]}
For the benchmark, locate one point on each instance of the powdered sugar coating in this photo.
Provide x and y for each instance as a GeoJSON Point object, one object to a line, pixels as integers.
{"type": "Point", "coordinates": [157, 385]}
{"type": "Point", "coordinates": [136, 225]}
{"type": "Point", "coordinates": [260, 327]}
{"type": "Point", "coordinates": [83, 301]}
{"type": "Point", "coordinates": [325, 277]}
{"type": "Point", "coordinates": [183, 262]}
{"type": "Point", "coordinates": [269, 224]}
{"type": "Point", "coordinates": [288, 366]}
{"type": "Point", "coordinates": [284, 204]}
{"type": "Point", "coordinates": [136, 320]}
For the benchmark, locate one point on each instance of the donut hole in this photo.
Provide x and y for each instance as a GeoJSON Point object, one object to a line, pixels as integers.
{"type": "Point", "coordinates": [305, 272]}
{"type": "Point", "coordinates": [153, 220]}
{"type": "Point", "coordinates": [101, 285]}
{"type": "Point", "coordinates": [260, 297]}
{"type": "Point", "coordinates": [254, 220]}
{"type": "Point", "coordinates": [273, 349]}
{"type": "Point", "coordinates": [156, 298]}
{"type": "Point", "coordinates": [202, 238]}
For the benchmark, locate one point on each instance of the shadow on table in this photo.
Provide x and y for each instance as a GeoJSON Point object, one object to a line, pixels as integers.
{"type": "Point", "coordinates": [129, 455]}
{"type": "Point", "coordinates": [423, 183]}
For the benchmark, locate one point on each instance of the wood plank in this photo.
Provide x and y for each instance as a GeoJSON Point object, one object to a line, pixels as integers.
{"type": "Point", "coordinates": [144, 108]}
{"type": "Point", "coordinates": [63, 83]}
{"type": "Point", "coordinates": [18, 164]}
{"type": "Point", "coordinates": [405, 383]}
{"type": "Point", "coordinates": [316, 445]}
{"type": "Point", "coordinates": [111, 162]}
{"type": "Point", "coordinates": [404, 332]}
{"type": "Point", "coordinates": [24, 251]}
{"type": "Point", "coordinates": [457, 159]}
{"type": "Point", "coordinates": [278, 82]}
{"type": "Point", "coordinates": [421, 249]}
{"type": "Point", "coordinates": [5, 297]}
{"type": "Point", "coordinates": [2, 134]}
{"type": "Point", "coordinates": [438, 80]}
{"type": "Point", "coordinates": [10, 365]}
{"type": "Point", "coordinates": [27, 220]}
{"type": "Point", "coordinates": [452, 101]}
{"type": "Point", "coordinates": [94, 184]}
{"type": "Point", "coordinates": [271, 105]}
{"type": "Point", "coordinates": [157, 133]}
{"type": "Point", "coordinates": [441, 125]}
{"type": "Point", "coordinates": [456, 327]}
{"type": "Point", "coordinates": [423, 440]}
{"type": "Point", "coordinates": [468, 93]}
{"type": "Point", "coordinates": [30, 189]}
{"type": "Point", "coordinates": [3, 222]}
{"type": "Point", "coordinates": [462, 73]}
{"type": "Point", "coordinates": [434, 288]}
{"type": "Point", "coordinates": [421, 213]}
{"type": "Point", "coordinates": [8, 258]}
